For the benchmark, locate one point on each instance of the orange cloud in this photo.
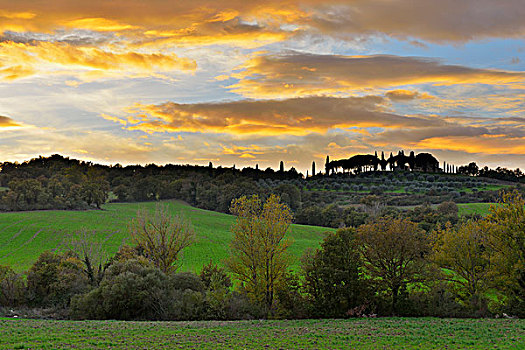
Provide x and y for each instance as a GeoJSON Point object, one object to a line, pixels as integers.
{"type": "Point", "coordinates": [300, 74]}
{"type": "Point", "coordinates": [19, 60]}
{"type": "Point", "coordinates": [98, 24]}
{"type": "Point", "coordinates": [16, 15]}
{"type": "Point", "coordinates": [297, 116]}
{"type": "Point", "coordinates": [428, 20]}
{"type": "Point", "coordinates": [487, 144]}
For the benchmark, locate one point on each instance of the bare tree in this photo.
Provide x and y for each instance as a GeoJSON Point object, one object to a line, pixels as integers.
{"type": "Point", "coordinates": [89, 249]}
{"type": "Point", "coordinates": [162, 236]}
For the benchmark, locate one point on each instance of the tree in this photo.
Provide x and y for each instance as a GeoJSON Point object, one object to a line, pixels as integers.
{"type": "Point", "coordinates": [12, 287]}
{"type": "Point", "coordinates": [333, 275]}
{"type": "Point", "coordinates": [258, 249]}
{"type": "Point", "coordinates": [506, 244]}
{"type": "Point", "coordinates": [162, 236]}
{"type": "Point", "coordinates": [84, 244]}
{"type": "Point", "coordinates": [393, 251]}
{"type": "Point", "coordinates": [462, 251]}
{"type": "Point", "coordinates": [95, 192]}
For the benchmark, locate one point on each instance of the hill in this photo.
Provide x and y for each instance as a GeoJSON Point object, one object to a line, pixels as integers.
{"type": "Point", "coordinates": [24, 235]}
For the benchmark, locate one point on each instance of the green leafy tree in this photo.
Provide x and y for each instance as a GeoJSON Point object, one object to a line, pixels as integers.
{"type": "Point", "coordinates": [333, 278]}
{"type": "Point", "coordinates": [462, 252]}
{"type": "Point", "coordinates": [258, 249]}
{"type": "Point", "coordinates": [506, 244]}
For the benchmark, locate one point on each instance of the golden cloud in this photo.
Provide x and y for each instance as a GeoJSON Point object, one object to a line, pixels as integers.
{"type": "Point", "coordinates": [6, 122]}
{"type": "Point", "coordinates": [428, 20]}
{"type": "Point", "coordinates": [19, 60]}
{"type": "Point", "coordinates": [98, 24]}
{"type": "Point", "coordinates": [300, 74]}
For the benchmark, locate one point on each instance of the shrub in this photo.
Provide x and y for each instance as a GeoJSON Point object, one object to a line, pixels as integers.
{"type": "Point", "coordinates": [54, 279]}
{"type": "Point", "coordinates": [130, 290]}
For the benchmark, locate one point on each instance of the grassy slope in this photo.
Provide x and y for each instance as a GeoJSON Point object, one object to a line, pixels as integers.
{"type": "Point", "coordinates": [385, 333]}
{"type": "Point", "coordinates": [24, 235]}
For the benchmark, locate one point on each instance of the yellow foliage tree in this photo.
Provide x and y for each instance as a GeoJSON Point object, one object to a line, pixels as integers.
{"type": "Point", "coordinates": [258, 249]}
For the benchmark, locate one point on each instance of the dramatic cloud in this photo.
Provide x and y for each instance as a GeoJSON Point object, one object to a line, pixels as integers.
{"type": "Point", "coordinates": [357, 81]}
{"type": "Point", "coordinates": [300, 74]}
{"type": "Point", "coordinates": [340, 126]}
{"type": "Point", "coordinates": [297, 116]}
{"type": "Point", "coordinates": [428, 20]}
{"type": "Point", "coordinates": [433, 21]}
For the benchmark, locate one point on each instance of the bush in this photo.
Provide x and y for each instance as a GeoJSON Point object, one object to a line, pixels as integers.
{"type": "Point", "coordinates": [54, 279]}
{"type": "Point", "coordinates": [130, 290]}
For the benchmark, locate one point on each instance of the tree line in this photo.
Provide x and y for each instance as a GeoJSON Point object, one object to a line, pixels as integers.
{"type": "Point", "coordinates": [61, 183]}
{"type": "Point", "coordinates": [359, 163]}
{"type": "Point", "coordinates": [387, 266]}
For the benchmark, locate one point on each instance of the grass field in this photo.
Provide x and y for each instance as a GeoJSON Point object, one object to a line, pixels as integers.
{"type": "Point", "coordinates": [474, 208]}
{"type": "Point", "coordinates": [383, 333]}
{"type": "Point", "coordinates": [24, 235]}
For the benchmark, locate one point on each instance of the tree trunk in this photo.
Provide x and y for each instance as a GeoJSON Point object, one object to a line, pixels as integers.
{"type": "Point", "coordinates": [395, 294]}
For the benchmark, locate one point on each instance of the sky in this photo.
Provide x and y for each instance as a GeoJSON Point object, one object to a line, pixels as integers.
{"type": "Point", "coordinates": [255, 82]}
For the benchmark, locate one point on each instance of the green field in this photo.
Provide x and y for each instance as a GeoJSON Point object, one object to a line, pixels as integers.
{"type": "Point", "coordinates": [383, 333]}
{"type": "Point", "coordinates": [24, 235]}
{"type": "Point", "coordinates": [474, 208]}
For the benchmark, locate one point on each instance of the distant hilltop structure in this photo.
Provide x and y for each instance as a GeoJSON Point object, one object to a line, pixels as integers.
{"type": "Point", "coordinates": [424, 162]}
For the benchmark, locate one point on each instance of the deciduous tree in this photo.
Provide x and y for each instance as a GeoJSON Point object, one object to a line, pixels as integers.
{"type": "Point", "coordinates": [462, 251]}
{"type": "Point", "coordinates": [258, 249]}
{"type": "Point", "coordinates": [162, 235]}
{"type": "Point", "coordinates": [506, 244]}
{"type": "Point", "coordinates": [393, 251]}
{"type": "Point", "coordinates": [87, 247]}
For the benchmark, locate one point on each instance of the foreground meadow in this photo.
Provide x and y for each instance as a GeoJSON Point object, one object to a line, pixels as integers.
{"type": "Point", "coordinates": [24, 235]}
{"type": "Point", "coordinates": [383, 333]}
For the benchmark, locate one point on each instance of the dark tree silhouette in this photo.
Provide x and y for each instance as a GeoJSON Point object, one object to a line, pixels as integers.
{"type": "Point", "coordinates": [367, 162]}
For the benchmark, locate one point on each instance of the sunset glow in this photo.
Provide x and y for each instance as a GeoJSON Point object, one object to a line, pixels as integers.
{"type": "Point", "coordinates": [257, 82]}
